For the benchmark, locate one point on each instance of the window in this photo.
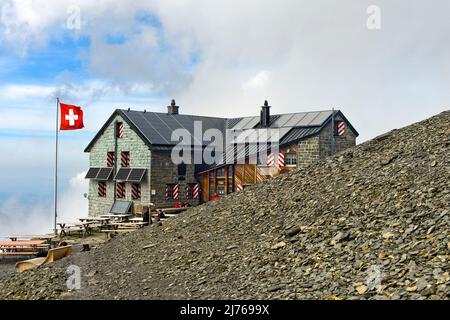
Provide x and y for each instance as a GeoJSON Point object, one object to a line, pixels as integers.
{"type": "Point", "coordinates": [221, 172]}
{"type": "Point", "coordinates": [190, 190]}
{"type": "Point", "coordinates": [290, 159]}
{"type": "Point", "coordinates": [220, 187]}
{"type": "Point", "coordinates": [136, 191]}
{"type": "Point", "coordinates": [110, 159]}
{"type": "Point", "coordinates": [120, 190]}
{"type": "Point", "coordinates": [101, 189]}
{"type": "Point", "coordinates": [125, 159]}
{"type": "Point", "coordinates": [169, 191]}
{"type": "Point", "coordinates": [339, 128]}
{"type": "Point", "coordinates": [119, 130]}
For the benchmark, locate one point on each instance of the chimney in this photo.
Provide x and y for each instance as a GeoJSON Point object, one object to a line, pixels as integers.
{"type": "Point", "coordinates": [265, 115]}
{"type": "Point", "coordinates": [172, 109]}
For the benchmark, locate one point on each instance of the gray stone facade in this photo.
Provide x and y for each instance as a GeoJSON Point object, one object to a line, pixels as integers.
{"type": "Point", "coordinates": [140, 156]}
{"type": "Point", "coordinates": [318, 147]}
{"type": "Point", "coordinates": [159, 164]}
{"type": "Point", "coordinates": [162, 172]}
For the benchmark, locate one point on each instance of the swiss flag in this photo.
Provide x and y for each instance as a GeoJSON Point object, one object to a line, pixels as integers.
{"type": "Point", "coordinates": [71, 117]}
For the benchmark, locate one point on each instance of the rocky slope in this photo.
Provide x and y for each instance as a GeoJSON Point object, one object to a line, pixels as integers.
{"type": "Point", "coordinates": [379, 211]}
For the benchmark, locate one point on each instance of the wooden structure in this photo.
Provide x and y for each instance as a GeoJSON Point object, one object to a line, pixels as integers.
{"type": "Point", "coordinates": [52, 255]}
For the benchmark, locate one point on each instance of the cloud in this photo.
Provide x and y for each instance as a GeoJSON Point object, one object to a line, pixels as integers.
{"type": "Point", "coordinates": [22, 217]}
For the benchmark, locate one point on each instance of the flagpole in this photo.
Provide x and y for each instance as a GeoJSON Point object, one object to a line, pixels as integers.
{"type": "Point", "coordinates": [56, 164]}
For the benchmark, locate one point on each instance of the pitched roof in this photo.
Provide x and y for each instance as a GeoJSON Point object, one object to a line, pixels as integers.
{"type": "Point", "coordinates": [157, 129]}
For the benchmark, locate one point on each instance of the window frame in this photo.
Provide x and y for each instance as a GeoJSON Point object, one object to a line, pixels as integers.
{"type": "Point", "coordinates": [286, 159]}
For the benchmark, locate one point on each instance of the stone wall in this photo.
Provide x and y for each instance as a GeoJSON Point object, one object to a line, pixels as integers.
{"type": "Point", "coordinates": [164, 172]}
{"type": "Point", "coordinates": [347, 140]}
{"type": "Point", "coordinates": [139, 158]}
{"type": "Point", "coordinates": [308, 151]}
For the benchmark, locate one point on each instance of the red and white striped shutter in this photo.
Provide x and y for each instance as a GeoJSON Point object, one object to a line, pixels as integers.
{"type": "Point", "coordinates": [120, 130]}
{"type": "Point", "coordinates": [239, 187]}
{"type": "Point", "coordinates": [341, 128]}
{"type": "Point", "coordinates": [120, 190]}
{"type": "Point", "coordinates": [176, 195]}
{"type": "Point", "coordinates": [110, 159]}
{"type": "Point", "coordinates": [196, 191]}
{"type": "Point", "coordinates": [167, 193]}
{"type": "Point", "coordinates": [125, 159]}
{"type": "Point", "coordinates": [101, 189]}
{"type": "Point", "coordinates": [136, 191]}
{"type": "Point", "coordinates": [270, 160]}
{"type": "Point", "coordinates": [280, 160]}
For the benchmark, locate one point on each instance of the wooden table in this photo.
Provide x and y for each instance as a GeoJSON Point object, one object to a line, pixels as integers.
{"type": "Point", "coordinates": [19, 247]}
{"type": "Point", "coordinates": [120, 217]}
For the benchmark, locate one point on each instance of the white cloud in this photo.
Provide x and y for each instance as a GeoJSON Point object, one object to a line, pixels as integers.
{"type": "Point", "coordinates": [259, 81]}
{"type": "Point", "coordinates": [33, 218]}
{"type": "Point", "coordinates": [319, 54]}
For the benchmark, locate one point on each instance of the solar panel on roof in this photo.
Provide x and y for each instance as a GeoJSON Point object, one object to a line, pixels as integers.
{"type": "Point", "coordinates": [295, 120]}
{"type": "Point", "coordinates": [92, 173]}
{"type": "Point", "coordinates": [104, 173]}
{"type": "Point", "coordinates": [308, 120]}
{"type": "Point", "coordinates": [120, 207]}
{"type": "Point", "coordinates": [136, 175]}
{"type": "Point", "coordinates": [122, 174]}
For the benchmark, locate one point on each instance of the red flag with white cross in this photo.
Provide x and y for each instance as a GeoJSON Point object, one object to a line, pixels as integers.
{"type": "Point", "coordinates": [71, 117]}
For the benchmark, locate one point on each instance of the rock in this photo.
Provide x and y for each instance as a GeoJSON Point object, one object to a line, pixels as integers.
{"type": "Point", "coordinates": [293, 231]}
{"type": "Point", "coordinates": [340, 236]}
{"type": "Point", "coordinates": [278, 245]}
{"type": "Point", "coordinates": [361, 289]}
{"type": "Point", "coordinates": [387, 225]}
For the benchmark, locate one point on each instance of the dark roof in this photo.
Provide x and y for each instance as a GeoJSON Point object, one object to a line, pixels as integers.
{"type": "Point", "coordinates": [156, 129]}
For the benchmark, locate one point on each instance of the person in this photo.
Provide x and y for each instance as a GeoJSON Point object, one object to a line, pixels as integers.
{"type": "Point", "coordinates": [146, 217]}
{"type": "Point", "coordinates": [161, 215]}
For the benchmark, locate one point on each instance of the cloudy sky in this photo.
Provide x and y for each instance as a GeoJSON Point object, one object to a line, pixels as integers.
{"type": "Point", "coordinates": [385, 67]}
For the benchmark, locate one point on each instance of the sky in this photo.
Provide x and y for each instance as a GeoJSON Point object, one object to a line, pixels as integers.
{"type": "Point", "coordinates": [383, 63]}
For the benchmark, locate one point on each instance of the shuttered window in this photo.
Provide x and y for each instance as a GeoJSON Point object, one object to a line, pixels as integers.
{"type": "Point", "coordinates": [120, 190]}
{"type": "Point", "coordinates": [101, 189]}
{"type": "Point", "coordinates": [110, 159]}
{"type": "Point", "coordinates": [125, 159]}
{"type": "Point", "coordinates": [136, 191]}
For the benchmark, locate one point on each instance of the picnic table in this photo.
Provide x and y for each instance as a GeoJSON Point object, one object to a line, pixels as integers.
{"type": "Point", "coordinates": [22, 247]}
{"type": "Point", "coordinates": [83, 228]}
{"type": "Point", "coordinates": [120, 217]}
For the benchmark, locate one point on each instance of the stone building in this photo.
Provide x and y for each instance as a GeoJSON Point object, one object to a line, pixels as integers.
{"type": "Point", "coordinates": [131, 156]}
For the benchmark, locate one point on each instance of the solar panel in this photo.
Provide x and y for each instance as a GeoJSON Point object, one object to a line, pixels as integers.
{"type": "Point", "coordinates": [136, 175]}
{"type": "Point", "coordinates": [122, 174]}
{"type": "Point", "coordinates": [92, 173]}
{"type": "Point", "coordinates": [120, 207]}
{"type": "Point", "coordinates": [104, 174]}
